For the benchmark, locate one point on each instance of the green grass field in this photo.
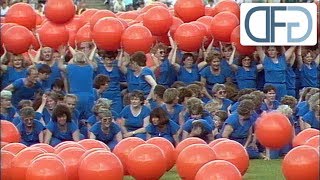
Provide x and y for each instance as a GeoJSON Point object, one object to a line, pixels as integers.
{"type": "Point", "coordinates": [258, 170]}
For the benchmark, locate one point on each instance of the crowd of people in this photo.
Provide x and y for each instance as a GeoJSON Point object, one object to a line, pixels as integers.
{"type": "Point", "coordinates": [87, 92]}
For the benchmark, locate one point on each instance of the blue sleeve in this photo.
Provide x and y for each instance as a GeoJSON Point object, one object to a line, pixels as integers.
{"type": "Point", "coordinates": [17, 120]}
{"type": "Point", "coordinates": [203, 72]}
{"type": "Point", "coordinates": [174, 127]}
{"type": "Point", "coordinates": [115, 114]}
{"type": "Point", "coordinates": [115, 128]}
{"type": "Point", "coordinates": [51, 126]}
{"type": "Point", "coordinates": [146, 71]}
{"type": "Point", "coordinates": [39, 126]}
{"type": "Point", "coordinates": [92, 120]}
{"type": "Point", "coordinates": [232, 121]}
{"type": "Point", "coordinates": [149, 129]}
{"type": "Point", "coordinates": [94, 129]}
{"type": "Point", "coordinates": [18, 83]}
{"type": "Point", "coordinates": [38, 116]}
{"type": "Point", "coordinates": [188, 126]}
{"type": "Point", "coordinates": [73, 127]}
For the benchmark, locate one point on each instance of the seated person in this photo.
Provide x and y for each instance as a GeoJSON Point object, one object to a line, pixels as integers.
{"type": "Point", "coordinates": [197, 128]}
{"type": "Point", "coordinates": [161, 126]}
{"type": "Point", "coordinates": [31, 130]}
{"type": "Point", "coordinates": [219, 118]}
{"type": "Point", "coordinates": [61, 127]}
{"type": "Point", "coordinates": [106, 130]}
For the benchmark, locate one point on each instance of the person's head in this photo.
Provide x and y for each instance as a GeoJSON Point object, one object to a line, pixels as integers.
{"type": "Point", "coordinates": [44, 71]}
{"type": "Point", "coordinates": [226, 51]}
{"type": "Point", "coordinates": [219, 91]}
{"type": "Point", "coordinates": [214, 59]}
{"type": "Point", "coordinates": [290, 101]}
{"type": "Point", "coordinates": [304, 92]}
{"type": "Point", "coordinates": [159, 91]}
{"type": "Point", "coordinates": [188, 60]}
{"type": "Point", "coordinates": [80, 57]}
{"type": "Point", "coordinates": [6, 99]}
{"type": "Point", "coordinates": [138, 59]}
{"type": "Point", "coordinates": [85, 47]}
{"type": "Point", "coordinates": [195, 89]}
{"type": "Point", "coordinates": [244, 91]}
{"type": "Point", "coordinates": [101, 81]}
{"type": "Point", "coordinates": [285, 110]}
{"type": "Point", "coordinates": [57, 86]}
{"type": "Point", "coordinates": [219, 118]}
{"type": "Point", "coordinates": [32, 74]}
{"type": "Point", "coordinates": [273, 51]}
{"type": "Point", "coordinates": [70, 101]}
{"type": "Point", "coordinates": [109, 57]}
{"type": "Point", "coordinates": [159, 117]}
{"type": "Point", "coordinates": [171, 96]}
{"type": "Point", "coordinates": [104, 102]}
{"type": "Point", "coordinates": [17, 61]}
{"type": "Point", "coordinates": [61, 114]}
{"type": "Point", "coordinates": [178, 84]}
{"type": "Point", "coordinates": [245, 60]}
{"type": "Point", "coordinates": [46, 54]}
{"type": "Point", "coordinates": [245, 108]}
{"type": "Point", "coordinates": [196, 111]}
{"type": "Point", "coordinates": [184, 95]}
{"type": "Point", "coordinates": [259, 96]}
{"type": "Point", "coordinates": [56, 56]}
{"type": "Point", "coordinates": [27, 115]}
{"type": "Point", "coordinates": [25, 103]}
{"type": "Point", "coordinates": [52, 100]}
{"type": "Point", "coordinates": [212, 107]}
{"type": "Point", "coordinates": [136, 98]}
{"type": "Point", "coordinates": [105, 118]}
{"type": "Point", "coordinates": [270, 92]}
{"type": "Point", "coordinates": [312, 92]}
{"type": "Point", "coordinates": [314, 103]}
{"type": "Point", "coordinates": [307, 56]}
{"type": "Point", "coordinates": [193, 101]}
{"type": "Point", "coordinates": [160, 51]}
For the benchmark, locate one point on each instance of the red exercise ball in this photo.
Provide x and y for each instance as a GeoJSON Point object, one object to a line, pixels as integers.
{"type": "Point", "coordinates": [14, 148]}
{"type": "Point", "coordinates": [209, 11]}
{"type": "Point", "coordinates": [188, 37]}
{"type": "Point", "coordinates": [6, 159]}
{"type": "Point", "coordinates": [71, 159]}
{"type": "Point", "coordinates": [72, 38]}
{"type": "Point", "coordinates": [314, 142]}
{"type": "Point", "coordinates": [22, 14]}
{"type": "Point", "coordinates": [63, 143]}
{"type": "Point", "coordinates": [9, 132]}
{"type": "Point", "coordinates": [137, 38]}
{"type": "Point", "coordinates": [146, 161]}
{"type": "Point", "coordinates": [99, 15]}
{"type": "Point", "coordinates": [100, 165]}
{"type": "Point", "coordinates": [75, 24]}
{"type": "Point", "coordinates": [192, 158]}
{"type": "Point", "coordinates": [301, 162]}
{"type": "Point", "coordinates": [216, 141]}
{"type": "Point", "coordinates": [162, 39]}
{"type": "Point", "coordinates": [46, 147]}
{"type": "Point", "coordinates": [176, 22]}
{"type": "Point", "coordinates": [152, 5]}
{"type": "Point", "coordinates": [86, 15]}
{"type": "Point", "coordinates": [58, 149]}
{"type": "Point", "coordinates": [124, 147]}
{"type": "Point", "coordinates": [166, 147]}
{"type": "Point", "coordinates": [205, 20]}
{"type": "Point", "coordinates": [273, 130]}
{"type": "Point", "coordinates": [205, 29]}
{"type": "Point", "coordinates": [189, 10]}
{"type": "Point", "coordinates": [218, 169]}
{"type": "Point", "coordinates": [46, 167]}
{"type": "Point", "coordinates": [92, 143]}
{"type": "Point", "coordinates": [303, 136]}
{"type": "Point", "coordinates": [21, 162]}
{"type": "Point", "coordinates": [3, 144]}
{"type": "Point", "coordinates": [53, 35]}
{"type": "Point", "coordinates": [158, 20]}
{"type": "Point", "coordinates": [17, 39]}
{"type": "Point", "coordinates": [233, 152]}
{"type": "Point", "coordinates": [187, 142]}
{"type": "Point", "coordinates": [87, 152]}
{"type": "Point", "coordinates": [130, 15]}
{"type": "Point", "coordinates": [235, 38]}
{"type": "Point", "coordinates": [83, 34]}
{"type": "Point", "coordinates": [107, 33]}
{"type": "Point", "coordinates": [59, 11]}
{"type": "Point", "coordinates": [228, 5]}
{"type": "Point", "coordinates": [222, 26]}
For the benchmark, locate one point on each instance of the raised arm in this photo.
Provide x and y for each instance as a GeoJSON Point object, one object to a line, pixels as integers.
{"type": "Point", "coordinates": [3, 59]}
{"type": "Point", "coordinates": [292, 59]}
{"type": "Point", "coordinates": [174, 56]}
{"type": "Point", "coordinates": [261, 53]}
{"type": "Point", "coordinates": [228, 129]}
{"type": "Point", "coordinates": [289, 52]}
{"type": "Point", "coordinates": [152, 83]}
{"type": "Point", "coordinates": [299, 58]}
{"type": "Point", "coordinates": [317, 59]}
{"type": "Point", "coordinates": [233, 66]}
{"type": "Point", "coordinates": [202, 64]}
{"type": "Point", "coordinates": [123, 62]}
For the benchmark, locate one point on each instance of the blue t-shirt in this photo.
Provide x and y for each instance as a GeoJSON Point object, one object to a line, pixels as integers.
{"type": "Point", "coordinates": [303, 108]}
{"type": "Point", "coordinates": [206, 125]}
{"type": "Point", "coordinates": [312, 120]}
{"type": "Point", "coordinates": [30, 138]}
{"type": "Point", "coordinates": [225, 104]}
{"type": "Point", "coordinates": [239, 131]}
{"type": "Point", "coordinates": [11, 111]}
{"type": "Point", "coordinates": [188, 77]}
{"type": "Point", "coordinates": [115, 76]}
{"type": "Point", "coordinates": [80, 78]}
{"type": "Point", "coordinates": [11, 75]}
{"type": "Point", "coordinates": [290, 78]}
{"type": "Point", "coordinates": [55, 74]}
{"type": "Point", "coordinates": [170, 130]}
{"type": "Point", "coordinates": [101, 136]}
{"type": "Point", "coordinates": [143, 84]}
{"type": "Point", "coordinates": [174, 116]}
{"type": "Point", "coordinates": [132, 122]}
{"type": "Point", "coordinates": [275, 72]}
{"type": "Point", "coordinates": [264, 106]}
{"type": "Point", "coordinates": [166, 75]}
{"type": "Point", "coordinates": [309, 76]}
{"type": "Point", "coordinates": [17, 120]}
{"type": "Point", "coordinates": [132, 80]}
{"type": "Point", "coordinates": [246, 78]}
{"type": "Point", "coordinates": [212, 79]}
{"type": "Point", "coordinates": [22, 92]}
{"type": "Point", "coordinates": [63, 136]}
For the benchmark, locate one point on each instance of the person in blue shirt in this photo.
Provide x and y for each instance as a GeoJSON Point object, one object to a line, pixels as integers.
{"type": "Point", "coordinates": [269, 103]}
{"type": "Point", "coordinates": [291, 76]}
{"type": "Point", "coordinates": [135, 117]}
{"type": "Point", "coordinates": [100, 85]}
{"type": "Point", "coordinates": [312, 118]}
{"type": "Point", "coordinates": [275, 65]}
{"type": "Point", "coordinates": [157, 98]}
{"type": "Point", "coordinates": [25, 88]}
{"type": "Point", "coordinates": [219, 95]}
{"type": "Point", "coordinates": [219, 118]}
{"type": "Point", "coordinates": [61, 128]}
{"type": "Point", "coordinates": [44, 74]}
{"type": "Point", "coordinates": [7, 111]}
{"type": "Point", "coordinates": [171, 106]}
{"type": "Point", "coordinates": [10, 73]}
{"type": "Point", "coordinates": [58, 87]}
{"type": "Point", "coordinates": [106, 131]}
{"type": "Point", "coordinates": [51, 102]}
{"type": "Point", "coordinates": [292, 103]}
{"type": "Point", "coordinates": [226, 52]}
{"type": "Point", "coordinates": [31, 130]}
{"type": "Point", "coordinates": [309, 64]}
{"type": "Point", "coordinates": [161, 126]}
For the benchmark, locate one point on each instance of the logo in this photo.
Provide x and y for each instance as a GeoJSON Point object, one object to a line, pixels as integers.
{"type": "Point", "coordinates": [278, 24]}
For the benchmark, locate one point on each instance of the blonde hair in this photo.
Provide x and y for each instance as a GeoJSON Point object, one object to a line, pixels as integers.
{"type": "Point", "coordinates": [213, 106]}
{"type": "Point", "coordinates": [80, 57]}
{"type": "Point", "coordinates": [285, 109]}
{"type": "Point", "coordinates": [170, 95]}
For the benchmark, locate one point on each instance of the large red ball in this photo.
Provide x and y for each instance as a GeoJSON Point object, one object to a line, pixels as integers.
{"type": "Point", "coordinates": [273, 130]}
{"type": "Point", "coordinates": [146, 161]}
{"type": "Point", "coordinates": [189, 10]}
{"type": "Point", "coordinates": [137, 38]}
{"type": "Point", "coordinates": [100, 165]}
{"type": "Point", "coordinates": [84, 34]}
{"type": "Point", "coordinates": [22, 14]}
{"type": "Point", "coordinates": [314, 142]}
{"type": "Point", "coordinates": [99, 15]}
{"type": "Point", "coordinates": [218, 169]}
{"type": "Point", "coordinates": [233, 152]}
{"type": "Point", "coordinates": [86, 15]}
{"type": "Point", "coordinates": [53, 35]}
{"type": "Point", "coordinates": [188, 37]}
{"type": "Point", "coordinates": [228, 5]}
{"type": "Point", "coordinates": [176, 22]}
{"type": "Point", "coordinates": [129, 15]}
{"type": "Point", "coordinates": [235, 38]}
{"type": "Point", "coordinates": [107, 33]}
{"type": "Point", "coordinates": [14, 148]}
{"type": "Point", "coordinates": [303, 136]}
{"type": "Point", "coordinates": [6, 159]}
{"type": "Point", "coordinates": [158, 20]}
{"type": "Point", "coordinates": [222, 26]}
{"type": "Point", "coordinates": [301, 162]}
{"type": "Point", "coordinates": [9, 132]}
{"type": "Point", "coordinates": [92, 143]}
{"type": "Point", "coordinates": [187, 142]}
{"type": "Point", "coordinates": [46, 147]}
{"type": "Point", "coordinates": [74, 24]}
{"type": "Point", "coordinates": [59, 11]}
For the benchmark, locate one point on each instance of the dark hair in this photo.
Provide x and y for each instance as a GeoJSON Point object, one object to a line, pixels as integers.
{"type": "Point", "coordinates": [223, 115]}
{"type": "Point", "coordinates": [241, 57]}
{"type": "Point", "coordinates": [178, 84]}
{"type": "Point", "coordinates": [161, 114]}
{"type": "Point", "coordinates": [183, 93]}
{"type": "Point", "coordinates": [99, 80]}
{"type": "Point", "coordinates": [269, 88]}
{"type": "Point", "coordinates": [186, 55]}
{"type": "Point", "coordinates": [159, 90]}
{"type": "Point", "coordinates": [60, 110]}
{"type": "Point", "coordinates": [140, 58]}
{"type": "Point", "coordinates": [58, 83]}
{"type": "Point", "coordinates": [245, 107]}
{"type": "Point", "coordinates": [137, 94]}
{"type": "Point", "coordinates": [109, 54]}
{"type": "Point", "coordinates": [44, 68]}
